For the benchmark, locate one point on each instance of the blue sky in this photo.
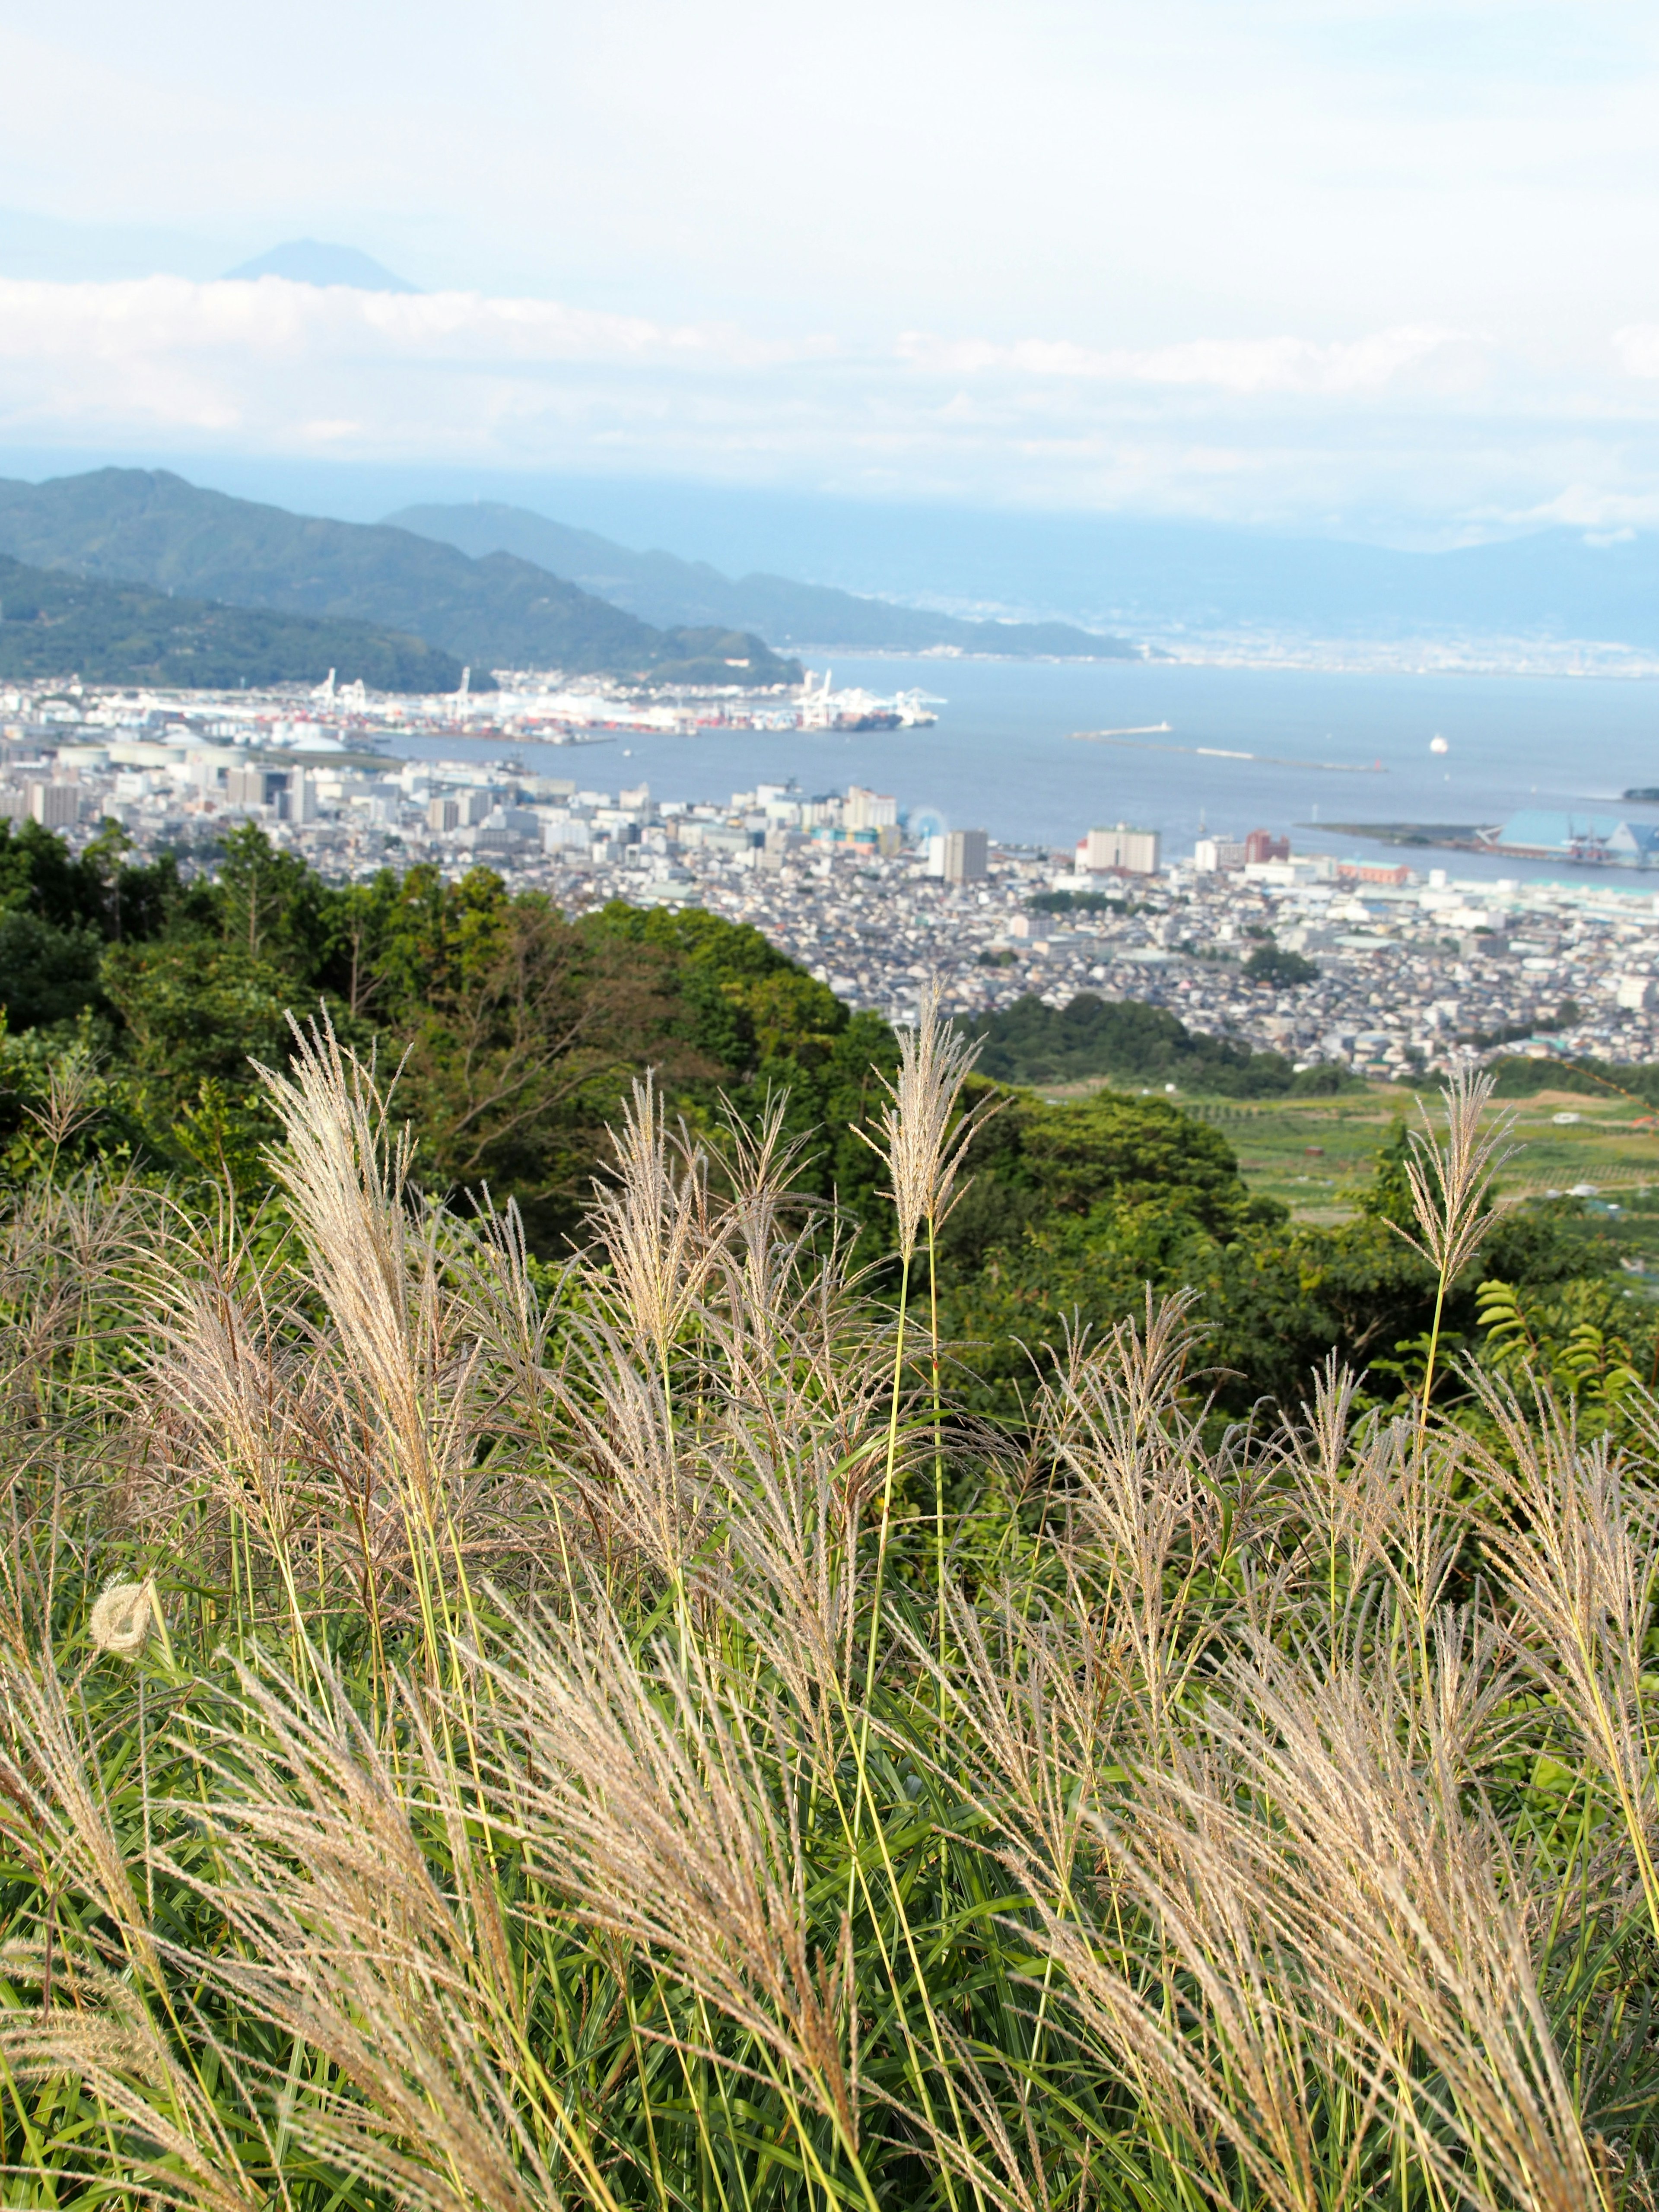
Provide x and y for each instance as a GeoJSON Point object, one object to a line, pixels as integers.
{"type": "Point", "coordinates": [1379, 268]}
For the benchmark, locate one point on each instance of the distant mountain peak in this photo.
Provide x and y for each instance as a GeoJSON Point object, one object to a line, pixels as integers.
{"type": "Point", "coordinates": [310, 261]}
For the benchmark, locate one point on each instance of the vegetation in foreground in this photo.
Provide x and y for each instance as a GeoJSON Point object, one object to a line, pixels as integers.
{"type": "Point", "coordinates": [476, 1737]}
{"type": "Point", "coordinates": [149, 996]}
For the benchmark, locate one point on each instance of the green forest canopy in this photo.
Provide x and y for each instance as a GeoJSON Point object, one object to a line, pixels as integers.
{"type": "Point", "coordinates": [53, 625]}
{"type": "Point", "coordinates": [151, 528]}
{"type": "Point", "coordinates": [518, 1031]}
{"type": "Point", "coordinates": [1031, 1041]}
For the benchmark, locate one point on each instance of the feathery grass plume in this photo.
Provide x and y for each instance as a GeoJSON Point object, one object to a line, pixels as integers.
{"type": "Point", "coordinates": [1142, 1502]}
{"type": "Point", "coordinates": [1450, 1181]}
{"type": "Point", "coordinates": [642, 1489]}
{"type": "Point", "coordinates": [790, 1443]}
{"type": "Point", "coordinates": [1578, 1548]}
{"type": "Point", "coordinates": [776, 1364]}
{"type": "Point", "coordinates": [925, 1144]}
{"type": "Point", "coordinates": [369, 1922]}
{"type": "Point", "coordinates": [1345, 1492]}
{"type": "Point", "coordinates": [74, 1276]}
{"type": "Point", "coordinates": [54, 1810]}
{"type": "Point", "coordinates": [165, 2136]}
{"type": "Point", "coordinates": [68, 1104]}
{"type": "Point", "coordinates": [1180, 1988]}
{"type": "Point", "coordinates": [1407, 1913]}
{"type": "Point", "coordinates": [917, 1129]}
{"type": "Point", "coordinates": [120, 1622]}
{"type": "Point", "coordinates": [405, 1367]}
{"type": "Point", "coordinates": [788, 1384]}
{"type": "Point", "coordinates": [656, 1808]}
{"type": "Point", "coordinates": [231, 1418]}
{"type": "Point", "coordinates": [1034, 1693]}
{"type": "Point", "coordinates": [760, 1172]}
{"type": "Point", "coordinates": [1332, 1977]}
{"type": "Point", "coordinates": [653, 1223]}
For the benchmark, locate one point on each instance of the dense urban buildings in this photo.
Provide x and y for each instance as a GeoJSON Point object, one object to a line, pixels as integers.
{"type": "Point", "coordinates": [1382, 968]}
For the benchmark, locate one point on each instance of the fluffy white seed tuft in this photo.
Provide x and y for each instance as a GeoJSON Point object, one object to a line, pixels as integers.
{"type": "Point", "coordinates": [121, 1619]}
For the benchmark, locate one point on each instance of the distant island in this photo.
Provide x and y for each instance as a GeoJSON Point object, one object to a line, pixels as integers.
{"type": "Point", "coordinates": [57, 625]}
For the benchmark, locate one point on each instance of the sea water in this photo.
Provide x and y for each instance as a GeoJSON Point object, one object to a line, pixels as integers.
{"type": "Point", "coordinates": [1004, 755]}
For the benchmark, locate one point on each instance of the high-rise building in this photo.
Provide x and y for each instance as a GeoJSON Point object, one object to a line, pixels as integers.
{"type": "Point", "coordinates": [442, 814]}
{"type": "Point", "coordinates": [1218, 855]}
{"type": "Point", "coordinates": [1132, 852]}
{"type": "Point", "coordinates": [55, 805]}
{"type": "Point", "coordinates": [1261, 845]}
{"type": "Point", "coordinates": [868, 810]}
{"type": "Point", "coordinates": [965, 855]}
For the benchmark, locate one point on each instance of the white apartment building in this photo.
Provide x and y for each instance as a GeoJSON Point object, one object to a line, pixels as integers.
{"type": "Point", "coordinates": [868, 810]}
{"type": "Point", "coordinates": [1135, 852]}
{"type": "Point", "coordinates": [1219, 856]}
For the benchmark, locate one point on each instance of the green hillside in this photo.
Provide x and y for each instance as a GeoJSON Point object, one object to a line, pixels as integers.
{"type": "Point", "coordinates": [660, 588]}
{"type": "Point", "coordinates": [1032, 1043]}
{"type": "Point", "coordinates": [148, 526]}
{"type": "Point", "coordinates": [56, 625]}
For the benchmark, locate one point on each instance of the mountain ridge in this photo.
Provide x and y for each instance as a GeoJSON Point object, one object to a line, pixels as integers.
{"type": "Point", "coordinates": [662, 587]}
{"type": "Point", "coordinates": [313, 261]}
{"type": "Point", "coordinates": [53, 624]}
{"type": "Point", "coordinates": [154, 528]}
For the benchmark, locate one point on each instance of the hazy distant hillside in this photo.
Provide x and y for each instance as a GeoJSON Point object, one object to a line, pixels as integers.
{"type": "Point", "coordinates": [662, 588]}
{"type": "Point", "coordinates": [154, 528]}
{"type": "Point", "coordinates": [1127, 572]}
{"type": "Point", "coordinates": [52, 624]}
{"type": "Point", "coordinates": [1118, 573]}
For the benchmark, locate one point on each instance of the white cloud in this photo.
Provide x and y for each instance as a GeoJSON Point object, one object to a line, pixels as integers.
{"type": "Point", "coordinates": [1635, 349]}
{"type": "Point", "coordinates": [273, 365]}
{"type": "Point", "coordinates": [1241, 366]}
{"type": "Point", "coordinates": [1413, 422]}
{"type": "Point", "coordinates": [169, 316]}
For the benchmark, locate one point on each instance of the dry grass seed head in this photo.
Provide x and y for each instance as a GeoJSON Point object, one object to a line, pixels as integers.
{"type": "Point", "coordinates": [1450, 1176]}
{"type": "Point", "coordinates": [120, 1622]}
{"type": "Point", "coordinates": [1337, 1911]}
{"type": "Point", "coordinates": [653, 1223]}
{"type": "Point", "coordinates": [924, 1151]}
{"type": "Point", "coordinates": [660, 1809]}
{"type": "Point", "coordinates": [346, 1940]}
{"type": "Point", "coordinates": [404, 1351]}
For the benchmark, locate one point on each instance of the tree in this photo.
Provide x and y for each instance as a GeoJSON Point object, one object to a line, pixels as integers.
{"type": "Point", "coordinates": [271, 905]}
{"type": "Point", "coordinates": [1281, 970]}
{"type": "Point", "coordinates": [56, 913]}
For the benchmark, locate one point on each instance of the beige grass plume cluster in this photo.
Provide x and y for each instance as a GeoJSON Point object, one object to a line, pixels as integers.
{"type": "Point", "coordinates": [567, 1792]}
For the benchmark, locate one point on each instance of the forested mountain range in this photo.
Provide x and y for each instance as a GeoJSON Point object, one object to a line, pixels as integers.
{"type": "Point", "coordinates": [150, 527]}
{"type": "Point", "coordinates": [54, 624]}
{"type": "Point", "coordinates": [660, 587]}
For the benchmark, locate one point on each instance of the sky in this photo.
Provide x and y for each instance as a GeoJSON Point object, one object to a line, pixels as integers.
{"type": "Point", "coordinates": [1345, 266]}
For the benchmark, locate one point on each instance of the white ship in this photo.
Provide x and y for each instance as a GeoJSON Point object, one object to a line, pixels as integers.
{"type": "Point", "coordinates": [820, 709]}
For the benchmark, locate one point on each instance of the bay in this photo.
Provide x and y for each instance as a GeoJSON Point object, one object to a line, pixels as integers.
{"type": "Point", "coordinates": [1002, 756]}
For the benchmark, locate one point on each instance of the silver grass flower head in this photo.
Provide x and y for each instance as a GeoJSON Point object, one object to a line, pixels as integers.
{"type": "Point", "coordinates": [924, 1152]}
{"type": "Point", "coordinates": [121, 1619]}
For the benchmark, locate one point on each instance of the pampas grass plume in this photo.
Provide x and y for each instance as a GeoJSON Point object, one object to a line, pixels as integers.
{"type": "Point", "coordinates": [121, 1619]}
